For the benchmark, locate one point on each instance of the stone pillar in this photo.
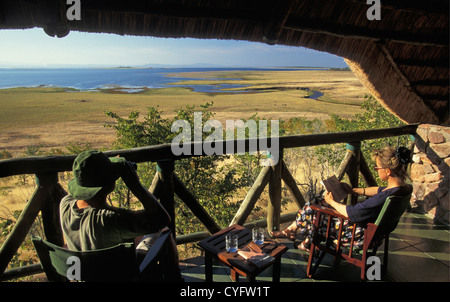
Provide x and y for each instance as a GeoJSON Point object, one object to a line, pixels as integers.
{"type": "Point", "coordinates": [430, 171]}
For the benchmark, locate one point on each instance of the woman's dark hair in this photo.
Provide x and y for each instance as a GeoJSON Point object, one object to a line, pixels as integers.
{"type": "Point", "coordinates": [395, 159]}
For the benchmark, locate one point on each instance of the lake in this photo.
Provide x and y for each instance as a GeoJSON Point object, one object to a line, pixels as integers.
{"type": "Point", "coordinates": [93, 78]}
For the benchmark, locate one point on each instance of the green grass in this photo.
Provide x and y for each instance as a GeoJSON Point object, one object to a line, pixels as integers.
{"type": "Point", "coordinates": [25, 107]}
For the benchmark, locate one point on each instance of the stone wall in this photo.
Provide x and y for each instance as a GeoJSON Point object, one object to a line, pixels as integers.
{"type": "Point", "coordinates": [430, 171]}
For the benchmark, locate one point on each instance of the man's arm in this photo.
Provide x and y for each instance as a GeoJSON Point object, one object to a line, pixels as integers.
{"type": "Point", "coordinates": [159, 215]}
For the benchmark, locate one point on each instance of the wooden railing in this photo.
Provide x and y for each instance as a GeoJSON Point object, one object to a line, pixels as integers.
{"type": "Point", "coordinates": [166, 184]}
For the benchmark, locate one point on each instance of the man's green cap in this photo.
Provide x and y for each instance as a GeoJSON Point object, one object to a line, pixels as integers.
{"type": "Point", "coordinates": [92, 170]}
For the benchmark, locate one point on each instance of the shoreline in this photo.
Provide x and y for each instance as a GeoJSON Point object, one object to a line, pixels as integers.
{"type": "Point", "coordinates": [165, 72]}
{"type": "Point", "coordinates": [54, 117]}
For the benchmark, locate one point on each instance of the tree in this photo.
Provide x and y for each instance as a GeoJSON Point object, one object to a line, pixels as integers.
{"type": "Point", "coordinates": [374, 116]}
{"type": "Point", "coordinates": [213, 182]}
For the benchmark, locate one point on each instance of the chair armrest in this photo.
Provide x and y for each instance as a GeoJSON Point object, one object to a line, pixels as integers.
{"type": "Point", "coordinates": [328, 211]}
{"type": "Point", "coordinates": [155, 249]}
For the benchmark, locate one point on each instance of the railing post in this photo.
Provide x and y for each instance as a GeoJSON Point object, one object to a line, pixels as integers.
{"type": "Point", "coordinates": [50, 207]}
{"type": "Point", "coordinates": [189, 199]}
{"type": "Point", "coordinates": [166, 168]}
{"type": "Point", "coordinates": [274, 206]}
{"type": "Point", "coordinates": [252, 196]}
{"type": "Point", "coordinates": [21, 228]}
{"type": "Point", "coordinates": [354, 167]}
{"type": "Point", "coordinates": [291, 184]}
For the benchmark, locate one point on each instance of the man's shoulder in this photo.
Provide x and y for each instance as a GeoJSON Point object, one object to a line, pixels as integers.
{"type": "Point", "coordinates": [67, 200]}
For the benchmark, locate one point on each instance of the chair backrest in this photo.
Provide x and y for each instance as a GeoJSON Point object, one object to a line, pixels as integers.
{"type": "Point", "coordinates": [390, 214]}
{"type": "Point", "coordinates": [117, 263]}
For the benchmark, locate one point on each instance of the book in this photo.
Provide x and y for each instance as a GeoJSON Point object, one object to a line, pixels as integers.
{"type": "Point", "coordinates": [333, 185]}
{"type": "Point", "coordinates": [255, 255]}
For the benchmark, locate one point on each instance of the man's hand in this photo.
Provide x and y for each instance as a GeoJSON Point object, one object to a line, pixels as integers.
{"type": "Point", "coordinates": [128, 173]}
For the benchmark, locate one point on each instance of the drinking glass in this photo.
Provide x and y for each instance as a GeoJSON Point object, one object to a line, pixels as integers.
{"type": "Point", "coordinates": [231, 242]}
{"type": "Point", "coordinates": [258, 235]}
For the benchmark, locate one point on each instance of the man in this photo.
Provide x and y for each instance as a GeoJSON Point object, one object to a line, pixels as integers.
{"type": "Point", "coordinates": [89, 223]}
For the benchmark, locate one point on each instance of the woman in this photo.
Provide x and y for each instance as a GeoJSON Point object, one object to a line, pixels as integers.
{"type": "Point", "coordinates": [391, 165]}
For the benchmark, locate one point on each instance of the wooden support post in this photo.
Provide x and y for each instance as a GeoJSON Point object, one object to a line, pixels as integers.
{"type": "Point", "coordinates": [252, 196]}
{"type": "Point", "coordinates": [366, 173]}
{"type": "Point", "coordinates": [290, 182]}
{"type": "Point", "coordinates": [165, 168]}
{"type": "Point", "coordinates": [156, 186]}
{"type": "Point", "coordinates": [189, 199]}
{"type": "Point", "coordinates": [21, 228]}
{"type": "Point", "coordinates": [274, 206]}
{"type": "Point", "coordinates": [343, 167]}
{"type": "Point", "coordinates": [353, 169]}
{"type": "Point", "coordinates": [50, 207]}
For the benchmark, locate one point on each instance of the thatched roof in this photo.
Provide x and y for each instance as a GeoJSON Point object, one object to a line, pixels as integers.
{"type": "Point", "coordinates": [403, 58]}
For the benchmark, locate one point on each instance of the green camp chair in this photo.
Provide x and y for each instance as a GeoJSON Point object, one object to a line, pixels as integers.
{"type": "Point", "coordinates": [118, 263]}
{"type": "Point", "coordinates": [387, 221]}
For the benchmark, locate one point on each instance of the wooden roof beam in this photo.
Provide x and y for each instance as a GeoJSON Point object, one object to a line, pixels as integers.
{"type": "Point", "coordinates": [418, 62]}
{"type": "Point", "coordinates": [277, 20]}
{"type": "Point", "coordinates": [436, 97]}
{"type": "Point", "coordinates": [169, 10]}
{"type": "Point", "coordinates": [431, 82]}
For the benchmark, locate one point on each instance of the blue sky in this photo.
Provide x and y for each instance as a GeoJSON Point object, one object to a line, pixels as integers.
{"type": "Point", "coordinates": [34, 48]}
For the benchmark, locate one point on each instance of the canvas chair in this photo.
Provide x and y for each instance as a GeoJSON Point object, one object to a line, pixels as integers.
{"type": "Point", "coordinates": [114, 264]}
{"type": "Point", "coordinates": [374, 234]}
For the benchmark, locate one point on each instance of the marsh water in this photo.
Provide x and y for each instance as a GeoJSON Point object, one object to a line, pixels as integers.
{"type": "Point", "coordinates": [131, 80]}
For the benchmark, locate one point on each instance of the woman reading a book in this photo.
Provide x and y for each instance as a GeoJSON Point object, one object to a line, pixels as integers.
{"type": "Point", "coordinates": [391, 165]}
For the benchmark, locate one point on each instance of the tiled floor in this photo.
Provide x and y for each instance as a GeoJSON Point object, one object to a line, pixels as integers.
{"type": "Point", "coordinates": [419, 252]}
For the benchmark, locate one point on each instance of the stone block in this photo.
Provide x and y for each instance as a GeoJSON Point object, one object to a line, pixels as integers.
{"type": "Point", "coordinates": [417, 173]}
{"type": "Point", "coordinates": [436, 138]}
{"type": "Point", "coordinates": [416, 159]}
{"type": "Point", "coordinates": [441, 150]}
{"type": "Point", "coordinates": [419, 190]}
{"type": "Point", "coordinates": [433, 177]}
{"type": "Point", "coordinates": [428, 168]}
{"type": "Point", "coordinates": [431, 187]}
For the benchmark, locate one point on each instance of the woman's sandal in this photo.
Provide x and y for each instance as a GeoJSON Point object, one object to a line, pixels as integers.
{"type": "Point", "coordinates": [286, 233]}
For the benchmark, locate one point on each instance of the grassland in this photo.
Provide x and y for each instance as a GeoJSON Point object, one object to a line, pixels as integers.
{"type": "Point", "coordinates": [55, 117]}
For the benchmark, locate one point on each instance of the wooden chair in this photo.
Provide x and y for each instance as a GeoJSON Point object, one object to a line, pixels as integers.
{"type": "Point", "coordinates": [118, 263]}
{"type": "Point", "coordinates": [387, 221]}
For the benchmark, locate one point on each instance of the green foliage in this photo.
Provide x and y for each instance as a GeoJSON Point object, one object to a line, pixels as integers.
{"type": "Point", "coordinates": [25, 254]}
{"type": "Point", "coordinates": [132, 132]}
{"type": "Point", "coordinates": [374, 116]}
{"type": "Point", "coordinates": [211, 180]}
{"type": "Point", "coordinates": [4, 154]}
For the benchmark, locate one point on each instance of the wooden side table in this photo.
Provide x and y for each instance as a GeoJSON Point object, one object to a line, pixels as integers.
{"type": "Point", "coordinates": [214, 247]}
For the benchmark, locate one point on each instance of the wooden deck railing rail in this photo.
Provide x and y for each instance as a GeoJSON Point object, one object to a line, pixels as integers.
{"type": "Point", "coordinates": [166, 184]}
